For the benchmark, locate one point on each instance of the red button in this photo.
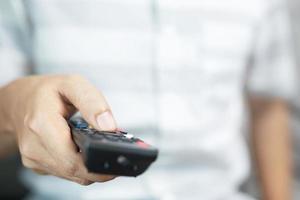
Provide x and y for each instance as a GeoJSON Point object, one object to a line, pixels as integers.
{"type": "Point", "coordinates": [142, 144]}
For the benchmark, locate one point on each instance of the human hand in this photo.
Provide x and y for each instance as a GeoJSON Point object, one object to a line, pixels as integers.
{"type": "Point", "coordinates": [35, 110]}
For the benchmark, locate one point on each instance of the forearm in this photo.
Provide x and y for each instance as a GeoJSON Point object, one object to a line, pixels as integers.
{"type": "Point", "coordinates": [272, 148]}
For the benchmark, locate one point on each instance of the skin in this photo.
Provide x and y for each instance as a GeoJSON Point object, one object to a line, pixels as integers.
{"type": "Point", "coordinates": [271, 145]}
{"type": "Point", "coordinates": [33, 113]}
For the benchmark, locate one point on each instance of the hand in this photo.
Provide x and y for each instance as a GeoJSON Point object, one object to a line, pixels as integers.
{"type": "Point", "coordinates": [35, 110]}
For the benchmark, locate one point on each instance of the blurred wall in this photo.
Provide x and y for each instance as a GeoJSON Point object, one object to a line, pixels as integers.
{"type": "Point", "coordinates": [295, 16]}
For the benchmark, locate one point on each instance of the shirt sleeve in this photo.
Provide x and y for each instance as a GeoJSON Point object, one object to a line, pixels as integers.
{"type": "Point", "coordinates": [273, 71]}
{"type": "Point", "coordinates": [13, 48]}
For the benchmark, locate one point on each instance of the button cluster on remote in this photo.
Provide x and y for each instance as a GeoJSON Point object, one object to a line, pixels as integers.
{"type": "Point", "coordinates": [119, 136]}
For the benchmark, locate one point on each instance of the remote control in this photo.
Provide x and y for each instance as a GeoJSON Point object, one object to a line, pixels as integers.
{"type": "Point", "coordinates": [112, 153]}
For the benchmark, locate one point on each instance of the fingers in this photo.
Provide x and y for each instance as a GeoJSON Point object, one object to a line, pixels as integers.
{"type": "Point", "coordinates": [89, 101]}
{"type": "Point", "coordinates": [41, 170]}
{"type": "Point", "coordinates": [69, 163]}
{"type": "Point", "coordinates": [45, 141]}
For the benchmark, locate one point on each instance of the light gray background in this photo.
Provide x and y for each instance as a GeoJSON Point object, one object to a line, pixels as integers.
{"type": "Point", "coordinates": [295, 14]}
{"type": "Point", "coordinates": [8, 170]}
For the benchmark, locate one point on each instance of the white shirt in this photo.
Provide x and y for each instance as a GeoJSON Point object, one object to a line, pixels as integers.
{"type": "Point", "coordinates": [174, 72]}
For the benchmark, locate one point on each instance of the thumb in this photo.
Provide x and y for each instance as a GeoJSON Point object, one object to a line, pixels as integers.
{"type": "Point", "coordinates": [89, 101]}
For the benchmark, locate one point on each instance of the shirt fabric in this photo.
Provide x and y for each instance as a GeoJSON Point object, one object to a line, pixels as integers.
{"type": "Point", "coordinates": [174, 72]}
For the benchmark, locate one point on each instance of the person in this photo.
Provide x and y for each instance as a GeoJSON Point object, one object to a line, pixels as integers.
{"type": "Point", "coordinates": [173, 72]}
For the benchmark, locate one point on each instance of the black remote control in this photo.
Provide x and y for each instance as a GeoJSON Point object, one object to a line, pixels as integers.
{"type": "Point", "coordinates": [113, 153]}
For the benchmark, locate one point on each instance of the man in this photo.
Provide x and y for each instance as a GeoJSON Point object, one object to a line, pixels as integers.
{"type": "Point", "coordinates": [173, 71]}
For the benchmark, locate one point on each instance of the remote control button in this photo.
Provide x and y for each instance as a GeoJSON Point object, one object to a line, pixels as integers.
{"type": "Point", "coordinates": [112, 138]}
{"type": "Point", "coordinates": [106, 165]}
{"type": "Point", "coordinates": [108, 132]}
{"type": "Point", "coordinates": [122, 132]}
{"type": "Point", "coordinates": [129, 136]}
{"type": "Point", "coordinates": [142, 144]}
{"type": "Point", "coordinates": [124, 139]}
{"type": "Point", "coordinates": [135, 168]}
{"type": "Point", "coordinates": [136, 140]}
{"type": "Point", "coordinates": [80, 124]}
{"type": "Point", "coordinates": [88, 131]}
{"type": "Point", "coordinates": [122, 160]}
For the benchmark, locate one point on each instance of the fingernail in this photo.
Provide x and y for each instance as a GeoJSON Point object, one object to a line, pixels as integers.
{"type": "Point", "coordinates": [106, 121]}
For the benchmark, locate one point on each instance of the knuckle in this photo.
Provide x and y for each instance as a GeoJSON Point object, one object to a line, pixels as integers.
{"type": "Point", "coordinates": [84, 182]}
{"type": "Point", "coordinates": [44, 85]}
{"type": "Point", "coordinates": [32, 123]}
{"type": "Point", "coordinates": [106, 178]}
{"type": "Point", "coordinates": [26, 163]}
{"type": "Point", "coordinates": [25, 151]}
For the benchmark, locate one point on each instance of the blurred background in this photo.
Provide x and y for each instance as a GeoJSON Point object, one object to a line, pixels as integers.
{"type": "Point", "coordinates": [9, 185]}
{"type": "Point", "coordinates": [294, 9]}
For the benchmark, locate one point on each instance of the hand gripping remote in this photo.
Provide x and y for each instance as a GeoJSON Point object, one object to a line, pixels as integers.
{"type": "Point", "coordinates": [112, 153]}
